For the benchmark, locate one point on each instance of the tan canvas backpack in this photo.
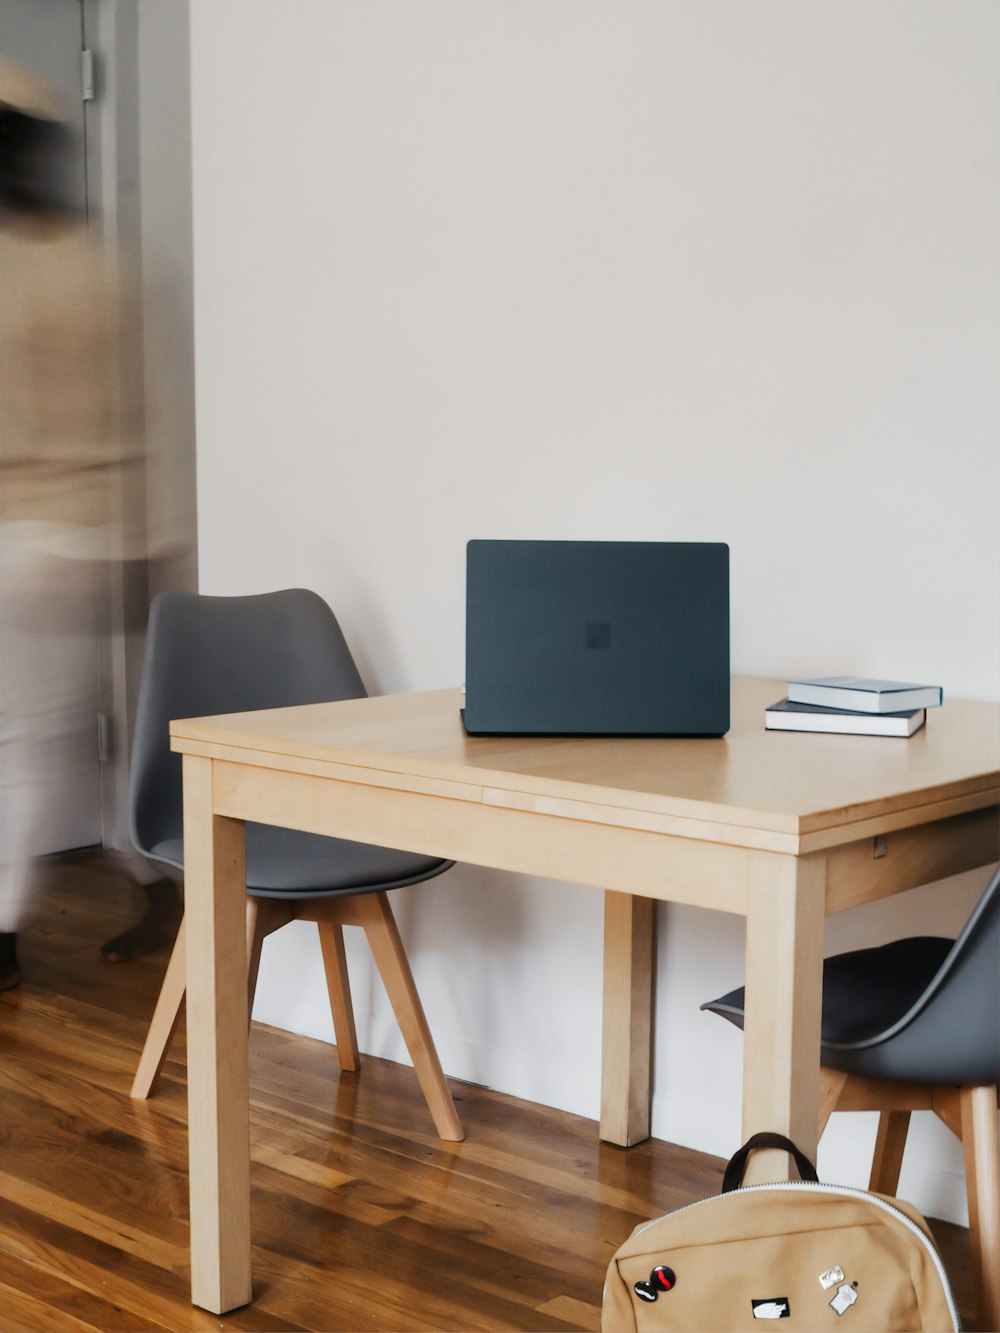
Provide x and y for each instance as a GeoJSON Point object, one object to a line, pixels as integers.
{"type": "Point", "coordinates": [819, 1256]}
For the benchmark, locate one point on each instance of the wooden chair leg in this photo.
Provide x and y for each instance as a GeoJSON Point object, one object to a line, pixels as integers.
{"type": "Point", "coordinates": [981, 1144]}
{"type": "Point", "coordinates": [890, 1142]}
{"type": "Point", "coordinates": [164, 1021]}
{"type": "Point", "coordinates": [256, 913]}
{"type": "Point", "coordinates": [372, 911]}
{"type": "Point", "coordinates": [831, 1085]}
{"type": "Point", "coordinates": [331, 939]}
{"type": "Point", "coordinates": [839, 1091]}
{"type": "Point", "coordinates": [946, 1103]}
{"type": "Point", "coordinates": [264, 917]}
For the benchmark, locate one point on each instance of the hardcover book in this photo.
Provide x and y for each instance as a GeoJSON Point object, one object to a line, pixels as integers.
{"type": "Point", "coordinates": [859, 694]}
{"type": "Point", "coordinates": [786, 715]}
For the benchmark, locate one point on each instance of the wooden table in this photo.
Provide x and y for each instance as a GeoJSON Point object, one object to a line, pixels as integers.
{"type": "Point", "coordinates": [779, 828]}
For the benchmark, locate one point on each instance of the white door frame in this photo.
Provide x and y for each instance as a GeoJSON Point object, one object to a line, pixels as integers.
{"type": "Point", "coordinates": [124, 168]}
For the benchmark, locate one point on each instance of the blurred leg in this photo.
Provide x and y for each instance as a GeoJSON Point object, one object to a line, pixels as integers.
{"type": "Point", "coordinates": [18, 781]}
{"type": "Point", "coordinates": [157, 926]}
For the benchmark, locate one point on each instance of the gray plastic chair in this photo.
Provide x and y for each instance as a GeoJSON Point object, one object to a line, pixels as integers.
{"type": "Point", "coordinates": [211, 655]}
{"type": "Point", "coordinates": [915, 1025]}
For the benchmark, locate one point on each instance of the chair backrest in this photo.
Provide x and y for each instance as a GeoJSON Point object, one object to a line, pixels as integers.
{"type": "Point", "coordinates": [952, 1032]}
{"type": "Point", "coordinates": [208, 655]}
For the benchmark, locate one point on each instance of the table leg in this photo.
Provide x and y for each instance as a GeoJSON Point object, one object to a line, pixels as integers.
{"type": "Point", "coordinates": [784, 974]}
{"type": "Point", "coordinates": [218, 1084]}
{"type": "Point", "coordinates": [629, 945]}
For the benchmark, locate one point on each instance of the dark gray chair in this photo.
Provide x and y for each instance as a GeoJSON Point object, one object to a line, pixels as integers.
{"type": "Point", "coordinates": [915, 1025]}
{"type": "Point", "coordinates": [210, 655]}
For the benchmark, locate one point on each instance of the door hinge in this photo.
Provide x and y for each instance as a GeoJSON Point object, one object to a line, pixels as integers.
{"type": "Point", "coordinates": [103, 738]}
{"type": "Point", "coordinates": [87, 75]}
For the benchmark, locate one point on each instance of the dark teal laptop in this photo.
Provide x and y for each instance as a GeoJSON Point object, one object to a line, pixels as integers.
{"type": "Point", "coordinates": [569, 638]}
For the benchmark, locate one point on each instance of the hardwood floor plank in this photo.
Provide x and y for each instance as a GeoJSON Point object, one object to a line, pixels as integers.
{"type": "Point", "coordinates": [301, 1168]}
{"type": "Point", "coordinates": [32, 1298]}
{"type": "Point", "coordinates": [108, 1227]}
{"type": "Point", "coordinates": [152, 1296]}
{"type": "Point", "coordinates": [577, 1314]}
{"type": "Point", "coordinates": [25, 1313]}
{"type": "Point", "coordinates": [147, 1291]}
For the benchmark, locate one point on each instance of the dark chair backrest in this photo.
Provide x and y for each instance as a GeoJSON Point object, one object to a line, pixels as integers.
{"type": "Point", "coordinates": [209, 655]}
{"type": "Point", "coordinates": [952, 1033]}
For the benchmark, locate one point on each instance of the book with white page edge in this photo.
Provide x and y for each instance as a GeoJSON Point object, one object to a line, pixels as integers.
{"type": "Point", "coordinates": [860, 694]}
{"type": "Point", "coordinates": [786, 715]}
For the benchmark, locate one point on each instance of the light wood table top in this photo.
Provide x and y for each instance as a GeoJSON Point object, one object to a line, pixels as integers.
{"type": "Point", "coordinates": [788, 791]}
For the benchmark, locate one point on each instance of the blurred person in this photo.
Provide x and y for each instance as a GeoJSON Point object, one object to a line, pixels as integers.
{"type": "Point", "coordinates": [62, 467]}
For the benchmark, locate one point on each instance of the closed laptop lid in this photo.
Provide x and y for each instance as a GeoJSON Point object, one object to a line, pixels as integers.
{"type": "Point", "coordinates": [597, 638]}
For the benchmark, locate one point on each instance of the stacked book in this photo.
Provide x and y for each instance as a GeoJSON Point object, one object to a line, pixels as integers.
{"type": "Point", "coordinates": [853, 704]}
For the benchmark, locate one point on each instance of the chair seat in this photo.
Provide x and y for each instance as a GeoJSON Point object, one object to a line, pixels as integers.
{"type": "Point", "coordinates": [864, 992]}
{"type": "Point", "coordinates": [283, 861]}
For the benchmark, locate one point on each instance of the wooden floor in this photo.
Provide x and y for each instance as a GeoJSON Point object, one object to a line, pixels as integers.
{"type": "Point", "coordinates": [362, 1218]}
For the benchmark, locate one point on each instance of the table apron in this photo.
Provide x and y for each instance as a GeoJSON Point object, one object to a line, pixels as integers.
{"type": "Point", "coordinates": [627, 860]}
{"type": "Point", "coordinates": [669, 867]}
{"type": "Point", "coordinates": [875, 867]}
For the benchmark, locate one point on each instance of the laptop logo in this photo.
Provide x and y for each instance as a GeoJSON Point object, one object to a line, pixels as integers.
{"type": "Point", "coordinates": [597, 634]}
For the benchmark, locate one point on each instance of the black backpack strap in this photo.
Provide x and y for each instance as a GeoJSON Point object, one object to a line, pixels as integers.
{"type": "Point", "coordinates": [738, 1162]}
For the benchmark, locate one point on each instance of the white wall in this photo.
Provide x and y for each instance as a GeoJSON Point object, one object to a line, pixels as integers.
{"type": "Point", "coordinates": [604, 269]}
